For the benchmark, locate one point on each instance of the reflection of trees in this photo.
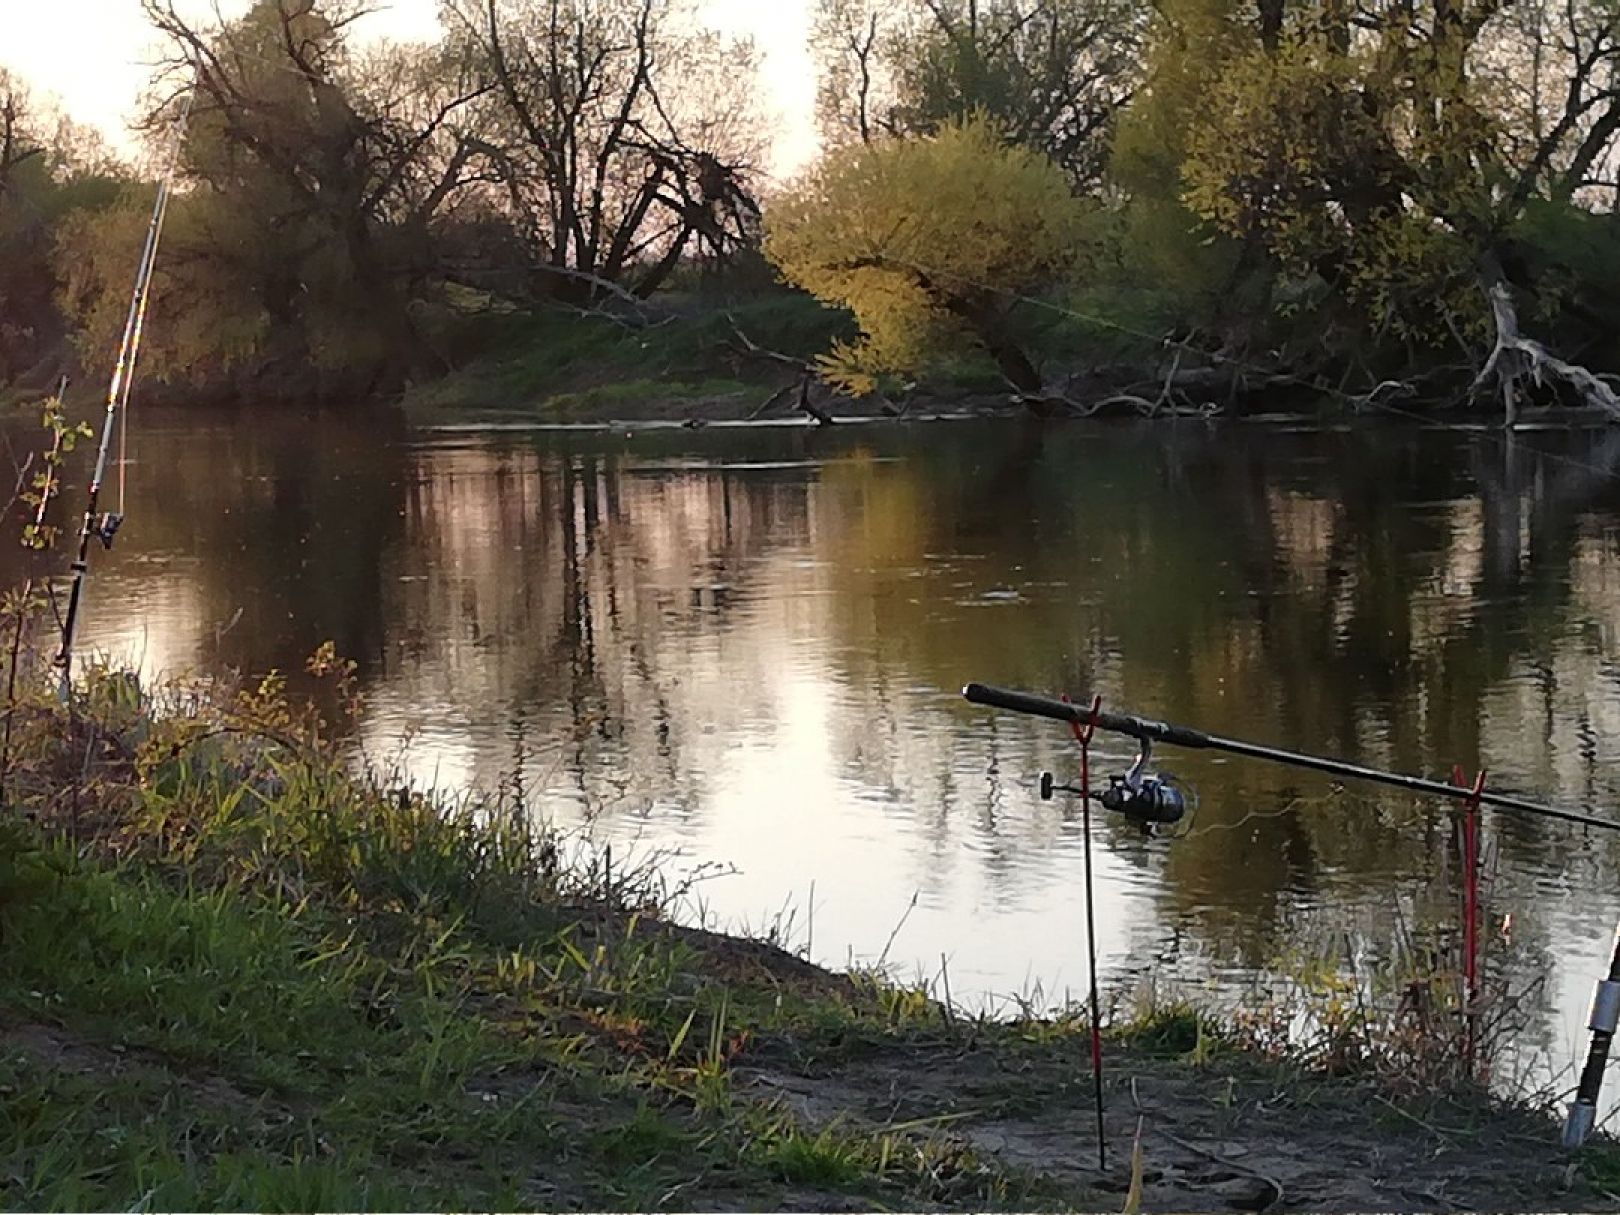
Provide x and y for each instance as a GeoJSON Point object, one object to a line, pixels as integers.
{"type": "Point", "coordinates": [632, 626]}
{"type": "Point", "coordinates": [1358, 607]}
{"type": "Point", "coordinates": [1372, 610]}
{"type": "Point", "coordinates": [591, 596]}
{"type": "Point", "coordinates": [283, 519]}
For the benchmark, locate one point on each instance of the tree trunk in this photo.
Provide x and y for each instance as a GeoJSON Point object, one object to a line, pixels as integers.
{"type": "Point", "coordinates": [987, 325]}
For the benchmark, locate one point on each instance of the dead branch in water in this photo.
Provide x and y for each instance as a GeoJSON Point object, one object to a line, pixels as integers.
{"type": "Point", "coordinates": [1517, 358]}
{"type": "Point", "coordinates": [806, 370]}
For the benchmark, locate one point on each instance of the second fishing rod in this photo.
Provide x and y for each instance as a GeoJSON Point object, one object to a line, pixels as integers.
{"type": "Point", "coordinates": [1148, 731]}
{"type": "Point", "coordinates": [1153, 803]}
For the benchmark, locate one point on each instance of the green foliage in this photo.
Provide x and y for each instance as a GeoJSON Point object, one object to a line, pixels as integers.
{"type": "Point", "coordinates": [926, 242]}
{"type": "Point", "coordinates": [1304, 146]}
{"type": "Point", "coordinates": [38, 533]}
{"type": "Point", "coordinates": [51, 172]}
{"type": "Point", "coordinates": [1176, 1029]}
{"type": "Point", "coordinates": [1173, 268]}
{"type": "Point", "coordinates": [564, 366]}
{"type": "Point", "coordinates": [1572, 255]}
{"type": "Point", "coordinates": [1373, 153]}
{"type": "Point", "coordinates": [206, 316]}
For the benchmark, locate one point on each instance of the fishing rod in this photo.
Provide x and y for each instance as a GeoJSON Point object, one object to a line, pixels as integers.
{"type": "Point", "coordinates": [1148, 732]}
{"type": "Point", "coordinates": [104, 525]}
{"type": "Point", "coordinates": [1152, 802]}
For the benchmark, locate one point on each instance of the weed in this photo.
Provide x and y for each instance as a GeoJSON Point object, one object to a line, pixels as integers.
{"type": "Point", "coordinates": [825, 1159]}
{"type": "Point", "coordinates": [1171, 1029]}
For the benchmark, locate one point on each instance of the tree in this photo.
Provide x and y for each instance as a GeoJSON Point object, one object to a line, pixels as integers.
{"type": "Point", "coordinates": [51, 170]}
{"type": "Point", "coordinates": [928, 242]}
{"type": "Point", "coordinates": [1184, 275]}
{"type": "Point", "coordinates": [1399, 174]}
{"type": "Point", "coordinates": [622, 135]}
{"type": "Point", "coordinates": [1554, 81]}
{"type": "Point", "coordinates": [314, 180]}
{"type": "Point", "coordinates": [19, 143]}
{"type": "Point", "coordinates": [1054, 74]}
{"type": "Point", "coordinates": [209, 327]}
{"type": "Point", "coordinates": [1393, 149]}
{"type": "Point", "coordinates": [1354, 147]}
{"type": "Point", "coordinates": [20, 149]}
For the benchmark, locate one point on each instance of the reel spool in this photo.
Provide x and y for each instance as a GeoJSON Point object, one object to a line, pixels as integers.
{"type": "Point", "coordinates": [106, 527]}
{"type": "Point", "coordinates": [1151, 802]}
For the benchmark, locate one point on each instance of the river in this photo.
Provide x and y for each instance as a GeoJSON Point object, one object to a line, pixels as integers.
{"type": "Point", "coordinates": [744, 649]}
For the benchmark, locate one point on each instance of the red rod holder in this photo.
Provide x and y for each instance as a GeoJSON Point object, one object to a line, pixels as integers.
{"type": "Point", "coordinates": [1470, 900]}
{"type": "Point", "coordinates": [1083, 729]}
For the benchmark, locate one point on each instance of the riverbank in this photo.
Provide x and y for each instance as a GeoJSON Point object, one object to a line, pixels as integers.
{"type": "Point", "coordinates": [696, 362]}
{"type": "Point", "coordinates": [234, 975]}
{"type": "Point", "coordinates": [690, 361]}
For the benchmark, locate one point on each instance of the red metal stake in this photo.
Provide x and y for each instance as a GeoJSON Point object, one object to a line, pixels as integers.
{"type": "Point", "coordinates": [1470, 851]}
{"type": "Point", "coordinates": [1082, 735]}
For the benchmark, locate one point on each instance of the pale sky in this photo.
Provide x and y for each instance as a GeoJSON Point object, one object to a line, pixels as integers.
{"type": "Point", "coordinates": [92, 54]}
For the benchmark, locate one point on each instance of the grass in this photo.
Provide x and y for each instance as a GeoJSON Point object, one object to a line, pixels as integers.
{"type": "Point", "coordinates": [235, 973]}
{"type": "Point", "coordinates": [563, 366]}
{"type": "Point", "coordinates": [239, 975]}
{"type": "Point", "coordinates": [1174, 1029]}
{"type": "Point", "coordinates": [210, 1059]}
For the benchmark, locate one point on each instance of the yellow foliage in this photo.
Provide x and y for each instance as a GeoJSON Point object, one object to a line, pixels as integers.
{"type": "Point", "coordinates": [1362, 157]}
{"type": "Point", "coordinates": [917, 238]}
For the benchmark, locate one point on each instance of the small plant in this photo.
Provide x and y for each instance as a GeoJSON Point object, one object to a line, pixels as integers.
{"type": "Point", "coordinates": [38, 487]}
{"type": "Point", "coordinates": [37, 484]}
{"type": "Point", "coordinates": [1175, 1029]}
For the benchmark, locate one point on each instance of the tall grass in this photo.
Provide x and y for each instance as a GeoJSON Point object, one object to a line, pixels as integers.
{"type": "Point", "coordinates": [278, 981]}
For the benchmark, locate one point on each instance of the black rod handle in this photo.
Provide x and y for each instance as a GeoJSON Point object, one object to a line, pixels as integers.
{"type": "Point", "coordinates": [1062, 710]}
{"type": "Point", "coordinates": [1022, 702]}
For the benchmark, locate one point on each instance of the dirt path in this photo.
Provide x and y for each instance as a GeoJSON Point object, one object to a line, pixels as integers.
{"type": "Point", "coordinates": [1225, 1135]}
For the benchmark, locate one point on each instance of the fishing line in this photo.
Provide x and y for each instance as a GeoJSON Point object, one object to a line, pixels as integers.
{"type": "Point", "coordinates": [1289, 809]}
{"type": "Point", "coordinates": [165, 193]}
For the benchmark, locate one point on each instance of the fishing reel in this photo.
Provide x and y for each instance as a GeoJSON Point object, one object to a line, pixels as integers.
{"type": "Point", "coordinates": [1150, 802]}
{"type": "Point", "coordinates": [106, 527]}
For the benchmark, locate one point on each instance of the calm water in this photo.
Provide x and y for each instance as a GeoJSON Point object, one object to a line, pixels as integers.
{"type": "Point", "coordinates": [747, 647]}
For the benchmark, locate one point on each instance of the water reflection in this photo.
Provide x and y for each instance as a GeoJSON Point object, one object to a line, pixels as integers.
{"type": "Point", "coordinates": [748, 646]}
